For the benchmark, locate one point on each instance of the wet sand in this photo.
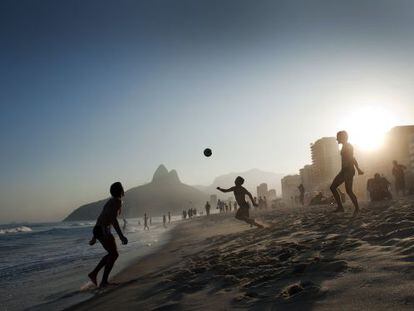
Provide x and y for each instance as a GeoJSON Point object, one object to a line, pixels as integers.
{"type": "Point", "coordinates": [306, 259]}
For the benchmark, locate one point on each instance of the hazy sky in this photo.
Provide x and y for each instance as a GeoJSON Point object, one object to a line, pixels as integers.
{"type": "Point", "coordinates": [98, 91]}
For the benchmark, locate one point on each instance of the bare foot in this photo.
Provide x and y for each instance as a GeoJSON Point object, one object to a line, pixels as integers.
{"type": "Point", "coordinates": [92, 241]}
{"type": "Point", "coordinates": [92, 277]}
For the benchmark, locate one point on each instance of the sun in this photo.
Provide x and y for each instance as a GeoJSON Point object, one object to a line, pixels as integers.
{"type": "Point", "coordinates": [367, 127]}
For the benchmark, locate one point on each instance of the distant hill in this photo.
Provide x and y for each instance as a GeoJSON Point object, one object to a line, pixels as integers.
{"type": "Point", "coordinates": [163, 194]}
{"type": "Point", "coordinates": [252, 177]}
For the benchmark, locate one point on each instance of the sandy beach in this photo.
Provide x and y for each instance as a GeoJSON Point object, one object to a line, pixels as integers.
{"type": "Point", "coordinates": [305, 259]}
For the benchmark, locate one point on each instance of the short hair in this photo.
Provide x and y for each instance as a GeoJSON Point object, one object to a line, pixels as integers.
{"type": "Point", "coordinates": [239, 181]}
{"type": "Point", "coordinates": [342, 134]}
{"type": "Point", "coordinates": [117, 190]}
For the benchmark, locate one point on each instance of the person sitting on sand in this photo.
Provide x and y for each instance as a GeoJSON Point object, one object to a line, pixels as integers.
{"type": "Point", "coordinates": [346, 175]}
{"type": "Point", "coordinates": [102, 232]}
{"type": "Point", "coordinates": [240, 195]}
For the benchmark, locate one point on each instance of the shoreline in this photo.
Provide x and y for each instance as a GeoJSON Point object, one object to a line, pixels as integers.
{"type": "Point", "coordinates": [307, 258]}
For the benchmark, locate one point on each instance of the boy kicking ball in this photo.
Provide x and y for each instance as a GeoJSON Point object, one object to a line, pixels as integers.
{"type": "Point", "coordinates": [240, 195]}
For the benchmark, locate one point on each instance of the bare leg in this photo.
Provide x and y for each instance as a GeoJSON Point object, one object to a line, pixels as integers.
{"type": "Point", "coordinates": [351, 194]}
{"type": "Point", "coordinates": [338, 180]}
{"type": "Point", "coordinates": [110, 246]}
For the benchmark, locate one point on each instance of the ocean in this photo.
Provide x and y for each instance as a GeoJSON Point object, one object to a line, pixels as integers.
{"type": "Point", "coordinates": [44, 265]}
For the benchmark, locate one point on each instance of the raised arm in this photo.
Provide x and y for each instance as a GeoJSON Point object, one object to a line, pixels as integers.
{"type": "Point", "coordinates": [225, 190]}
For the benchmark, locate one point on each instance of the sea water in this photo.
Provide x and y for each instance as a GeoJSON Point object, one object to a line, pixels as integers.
{"type": "Point", "coordinates": [44, 266]}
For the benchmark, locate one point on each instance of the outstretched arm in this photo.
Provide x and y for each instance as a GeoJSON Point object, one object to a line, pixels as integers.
{"type": "Point", "coordinates": [225, 190]}
{"type": "Point", "coordinates": [251, 198]}
{"type": "Point", "coordinates": [360, 172]}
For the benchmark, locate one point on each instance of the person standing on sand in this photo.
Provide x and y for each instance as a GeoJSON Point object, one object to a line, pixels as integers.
{"type": "Point", "coordinates": [207, 207]}
{"type": "Point", "coordinates": [301, 194]}
{"type": "Point", "coordinates": [102, 233]}
{"type": "Point", "coordinates": [399, 174]}
{"type": "Point", "coordinates": [146, 222]}
{"type": "Point", "coordinates": [240, 195]}
{"type": "Point", "coordinates": [164, 221]}
{"type": "Point", "coordinates": [346, 175]}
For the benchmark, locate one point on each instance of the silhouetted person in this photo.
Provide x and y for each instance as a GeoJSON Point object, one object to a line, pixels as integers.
{"type": "Point", "coordinates": [346, 175]}
{"type": "Point", "coordinates": [240, 195]}
{"type": "Point", "coordinates": [102, 232]}
{"type": "Point", "coordinates": [164, 221]}
{"type": "Point", "coordinates": [378, 188]}
{"type": "Point", "coordinates": [169, 217]}
{"type": "Point", "coordinates": [399, 174]}
{"type": "Point", "coordinates": [207, 207]}
{"type": "Point", "coordinates": [146, 222]}
{"type": "Point", "coordinates": [184, 214]}
{"type": "Point", "coordinates": [301, 194]}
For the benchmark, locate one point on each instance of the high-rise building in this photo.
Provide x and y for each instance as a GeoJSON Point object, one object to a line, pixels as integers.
{"type": "Point", "coordinates": [307, 175]}
{"type": "Point", "coordinates": [290, 185]}
{"type": "Point", "coordinates": [213, 200]}
{"type": "Point", "coordinates": [326, 161]}
{"type": "Point", "coordinates": [271, 195]}
{"type": "Point", "coordinates": [397, 144]}
{"type": "Point", "coordinates": [411, 152]}
{"type": "Point", "coordinates": [262, 190]}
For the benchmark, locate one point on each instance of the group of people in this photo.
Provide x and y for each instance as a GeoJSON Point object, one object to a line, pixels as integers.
{"type": "Point", "coordinates": [349, 167]}
{"type": "Point", "coordinates": [190, 213]}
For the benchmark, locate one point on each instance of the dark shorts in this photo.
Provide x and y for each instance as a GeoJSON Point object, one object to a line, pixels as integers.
{"type": "Point", "coordinates": [102, 232]}
{"type": "Point", "coordinates": [243, 212]}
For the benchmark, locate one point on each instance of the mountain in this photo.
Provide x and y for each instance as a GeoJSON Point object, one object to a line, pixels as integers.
{"type": "Point", "coordinates": [253, 178]}
{"type": "Point", "coordinates": [165, 193]}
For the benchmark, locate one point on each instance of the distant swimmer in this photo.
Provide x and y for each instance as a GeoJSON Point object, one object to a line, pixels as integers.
{"type": "Point", "coordinates": [146, 222]}
{"type": "Point", "coordinates": [346, 175]}
{"type": "Point", "coordinates": [102, 232]}
{"type": "Point", "coordinates": [399, 175]}
{"type": "Point", "coordinates": [240, 195]}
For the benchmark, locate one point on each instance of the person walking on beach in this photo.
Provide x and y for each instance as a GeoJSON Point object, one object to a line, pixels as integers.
{"type": "Point", "coordinates": [346, 175]}
{"type": "Point", "coordinates": [240, 195]}
{"type": "Point", "coordinates": [301, 194]}
{"type": "Point", "coordinates": [164, 221]}
{"type": "Point", "coordinates": [399, 175]}
{"type": "Point", "coordinates": [207, 207]}
{"type": "Point", "coordinates": [146, 222]}
{"type": "Point", "coordinates": [102, 233]}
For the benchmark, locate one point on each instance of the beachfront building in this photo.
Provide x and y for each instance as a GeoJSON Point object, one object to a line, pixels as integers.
{"type": "Point", "coordinates": [326, 162]}
{"type": "Point", "coordinates": [411, 152]}
{"type": "Point", "coordinates": [397, 144]}
{"type": "Point", "coordinates": [213, 200]}
{"type": "Point", "coordinates": [290, 185]}
{"type": "Point", "coordinates": [262, 190]}
{"type": "Point", "coordinates": [271, 195]}
{"type": "Point", "coordinates": [308, 177]}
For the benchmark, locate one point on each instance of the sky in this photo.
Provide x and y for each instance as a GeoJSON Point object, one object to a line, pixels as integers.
{"type": "Point", "coordinates": [93, 92]}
